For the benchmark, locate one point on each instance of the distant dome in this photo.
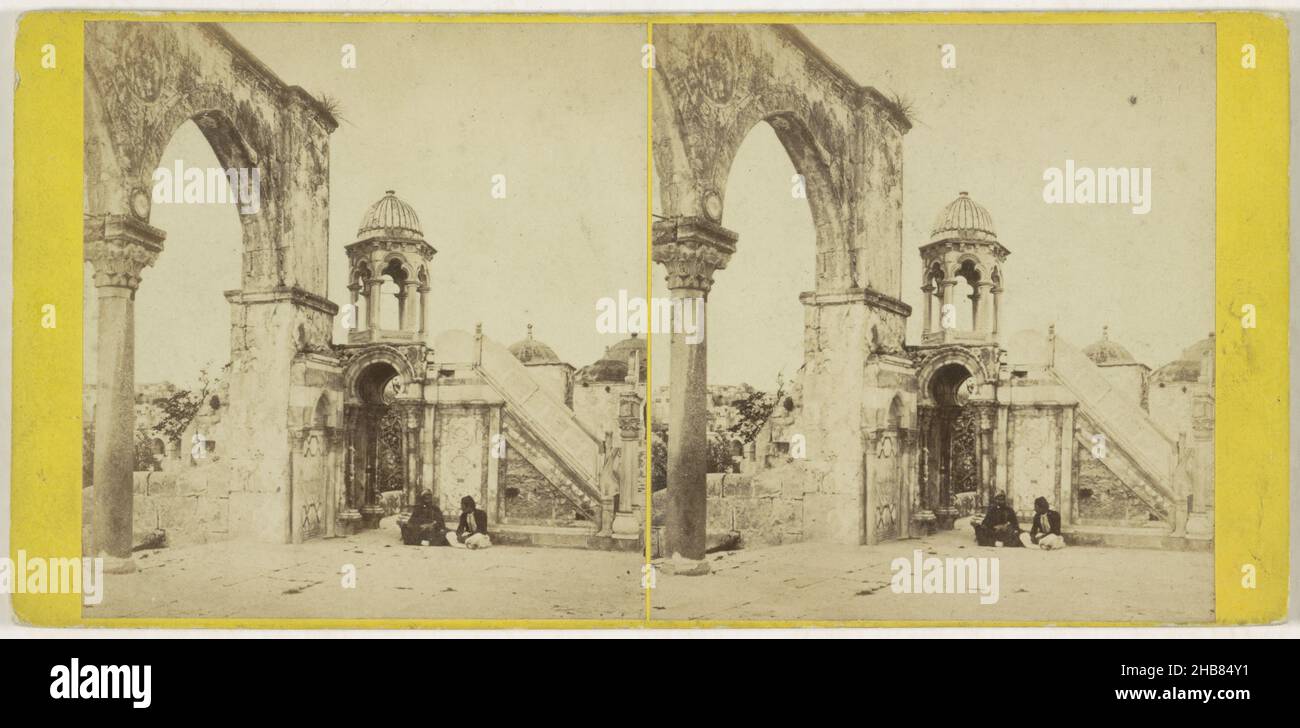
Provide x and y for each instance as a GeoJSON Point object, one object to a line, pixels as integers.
{"type": "Point", "coordinates": [624, 349]}
{"type": "Point", "coordinates": [963, 218]}
{"type": "Point", "coordinates": [612, 367]}
{"type": "Point", "coordinates": [1106, 352]}
{"type": "Point", "coordinates": [390, 216]}
{"type": "Point", "coordinates": [1187, 368]}
{"type": "Point", "coordinates": [531, 352]}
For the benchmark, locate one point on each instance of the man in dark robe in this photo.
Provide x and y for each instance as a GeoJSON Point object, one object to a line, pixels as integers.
{"type": "Point", "coordinates": [999, 525]}
{"type": "Point", "coordinates": [425, 525]}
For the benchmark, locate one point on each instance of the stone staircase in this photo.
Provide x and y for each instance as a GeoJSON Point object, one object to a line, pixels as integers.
{"type": "Point", "coordinates": [547, 429]}
{"type": "Point", "coordinates": [1139, 454]}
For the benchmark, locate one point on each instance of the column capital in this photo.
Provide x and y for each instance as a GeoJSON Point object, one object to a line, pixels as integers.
{"type": "Point", "coordinates": [691, 249]}
{"type": "Point", "coordinates": [120, 248]}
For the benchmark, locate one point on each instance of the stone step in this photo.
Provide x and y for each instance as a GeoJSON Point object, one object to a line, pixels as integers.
{"type": "Point", "coordinates": [560, 537]}
{"type": "Point", "coordinates": [1135, 537]}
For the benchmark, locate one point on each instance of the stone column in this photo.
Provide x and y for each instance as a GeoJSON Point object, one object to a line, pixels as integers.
{"type": "Point", "coordinates": [928, 290]}
{"type": "Point", "coordinates": [424, 309]}
{"type": "Point", "coordinates": [410, 312]}
{"type": "Point", "coordinates": [983, 305]}
{"type": "Point", "coordinates": [372, 303]}
{"type": "Point", "coordinates": [629, 430]}
{"type": "Point", "coordinates": [997, 309]}
{"type": "Point", "coordinates": [354, 292]}
{"type": "Point", "coordinates": [690, 249]}
{"type": "Point", "coordinates": [119, 248]}
{"type": "Point", "coordinates": [947, 286]}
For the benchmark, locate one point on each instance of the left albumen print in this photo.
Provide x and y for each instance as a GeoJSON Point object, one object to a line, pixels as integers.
{"type": "Point", "coordinates": [343, 354]}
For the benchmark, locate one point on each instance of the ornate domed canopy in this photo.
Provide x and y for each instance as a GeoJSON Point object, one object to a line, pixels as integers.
{"type": "Point", "coordinates": [531, 352]}
{"type": "Point", "coordinates": [963, 219]}
{"type": "Point", "coordinates": [1105, 352]}
{"type": "Point", "coordinates": [390, 216]}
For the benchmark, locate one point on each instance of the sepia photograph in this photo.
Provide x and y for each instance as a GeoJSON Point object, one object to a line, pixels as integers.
{"type": "Point", "coordinates": [343, 357]}
{"type": "Point", "coordinates": [959, 291]}
{"type": "Point", "coordinates": [393, 322]}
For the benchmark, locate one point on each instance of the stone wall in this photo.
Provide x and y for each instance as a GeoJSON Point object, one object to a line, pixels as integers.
{"type": "Point", "coordinates": [1100, 498]}
{"type": "Point", "coordinates": [782, 505]}
{"type": "Point", "coordinates": [528, 498]}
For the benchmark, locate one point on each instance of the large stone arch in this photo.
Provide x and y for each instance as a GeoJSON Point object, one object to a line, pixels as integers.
{"type": "Point", "coordinates": [712, 85]}
{"type": "Point", "coordinates": [715, 83]}
{"type": "Point", "coordinates": [144, 80]}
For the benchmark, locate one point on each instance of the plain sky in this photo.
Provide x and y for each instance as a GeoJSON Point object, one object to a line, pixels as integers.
{"type": "Point", "coordinates": [1020, 100]}
{"type": "Point", "coordinates": [434, 111]}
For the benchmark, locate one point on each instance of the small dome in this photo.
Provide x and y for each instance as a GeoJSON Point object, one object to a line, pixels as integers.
{"type": "Point", "coordinates": [1187, 368]}
{"type": "Point", "coordinates": [965, 219]}
{"type": "Point", "coordinates": [612, 367]}
{"type": "Point", "coordinates": [531, 352]}
{"type": "Point", "coordinates": [1106, 352]}
{"type": "Point", "coordinates": [625, 348]}
{"type": "Point", "coordinates": [391, 216]}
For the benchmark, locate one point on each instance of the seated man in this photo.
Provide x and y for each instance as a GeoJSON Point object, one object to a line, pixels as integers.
{"type": "Point", "coordinates": [999, 527]}
{"type": "Point", "coordinates": [471, 532]}
{"type": "Point", "coordinates": [426, 525]}
{"type": "Point", "coordinates": [1046, 531]}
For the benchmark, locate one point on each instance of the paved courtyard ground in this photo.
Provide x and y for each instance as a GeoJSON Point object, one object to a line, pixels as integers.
{"type": "Point", "coordinates": [794, 582]}
{"type": "Point", "coordinates": [822, 581]}
{"type": "Point", "coordinates": [223, 580]}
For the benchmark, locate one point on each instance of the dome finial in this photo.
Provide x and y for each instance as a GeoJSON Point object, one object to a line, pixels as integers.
{"type": "Point", "coordinates": [530, 332]}
{"type": "Point", "coordinates": [1105, 333]}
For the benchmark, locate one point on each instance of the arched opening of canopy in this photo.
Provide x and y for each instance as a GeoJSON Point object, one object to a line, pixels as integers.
{"type": "Point", "coordinates": [376, 456]}
{"type": "Point", "coordinates": [951, 433]}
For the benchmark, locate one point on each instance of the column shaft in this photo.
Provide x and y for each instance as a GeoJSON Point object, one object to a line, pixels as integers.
{"type": "Point", "coordinates": [688, 448]}
{"type": "Point", "coordinates": [372, 303]}
{"type": "Point", "coordinates": [114, 422]}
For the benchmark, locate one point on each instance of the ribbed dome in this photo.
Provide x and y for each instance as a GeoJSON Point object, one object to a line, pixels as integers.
{"type": "Point", "coordinates": [1106, 352]}
{"type": "Point", "coordinates": [392, 216]}
{"type": "Point", "coordinates": [963, 218]}
{"type": "Point", "coordinates": [531, 352]}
